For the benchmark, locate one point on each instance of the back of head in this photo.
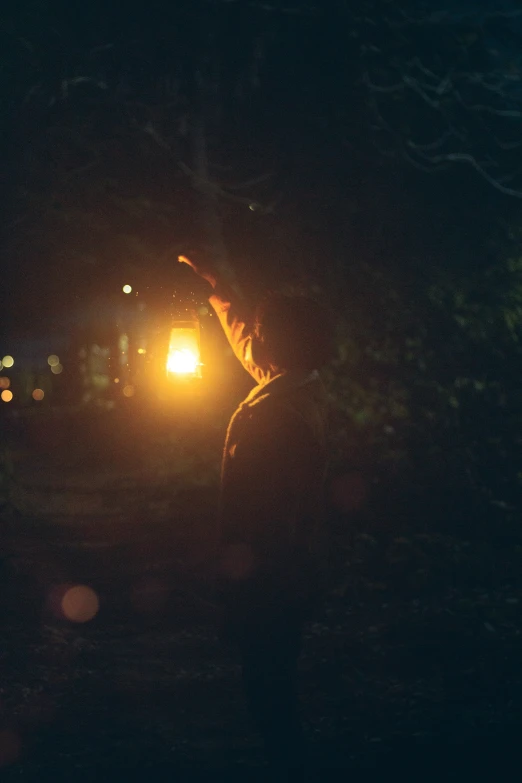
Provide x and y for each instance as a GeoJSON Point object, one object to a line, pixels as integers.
{"type": "Point", "coordinates": [296, 332]}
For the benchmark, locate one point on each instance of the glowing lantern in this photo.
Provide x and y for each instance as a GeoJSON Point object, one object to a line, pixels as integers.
{"type": "Point", "coordinates": [183, 358]}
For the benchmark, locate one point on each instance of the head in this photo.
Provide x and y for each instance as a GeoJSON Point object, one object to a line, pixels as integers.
{"type": "Point", "coordinates": [293, 333]}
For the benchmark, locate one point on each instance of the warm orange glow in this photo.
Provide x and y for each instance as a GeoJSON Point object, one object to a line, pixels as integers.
{"type": "Point", "coordinates": [4, 382]}
{"type": "Point", "coordinates": [6, 395]}
{"type": "Point", "coordinates": [38, 394]}
{"type": "Point", "coordinates": [183, 357]}
{"type": "Point", "coordinates": [80, 604]}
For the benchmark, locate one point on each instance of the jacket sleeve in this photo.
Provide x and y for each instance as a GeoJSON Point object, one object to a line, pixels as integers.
{"type": "Point", "coordinates": [237, 324]}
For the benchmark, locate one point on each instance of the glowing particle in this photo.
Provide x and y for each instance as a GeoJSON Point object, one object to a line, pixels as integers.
{"type": "Point", "coordinates": [80, 604]}
{"type": "Point", "coordinates": [53, 360]}
{"type": "Point", "coordinates": [6, 395]}
{"type": "Point", "coordinates": [56, 369]}
{"type": "Point", "coordinates": [127, 289]}
{"type": "Point", "coordinates": [141, 351]}
{"type": "Point", "coordinates": [38, 394]}
{"type": "Point", "coordinates": [128, 391]}
{"type": "Point", "coordinates": [116, 380]}
{"type": "Point", "coordinates": [8, 361]}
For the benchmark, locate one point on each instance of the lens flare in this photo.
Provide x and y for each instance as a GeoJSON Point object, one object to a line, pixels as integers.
{"type": "Point", "coordinates": [80, 604]}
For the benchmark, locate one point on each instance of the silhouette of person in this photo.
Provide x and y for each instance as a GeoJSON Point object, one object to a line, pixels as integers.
{"type": "Point", "coordinates": [272, 549]}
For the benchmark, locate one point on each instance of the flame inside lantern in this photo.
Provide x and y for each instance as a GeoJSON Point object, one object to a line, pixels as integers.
{"type": "Point", "coordinates": [184, 357]}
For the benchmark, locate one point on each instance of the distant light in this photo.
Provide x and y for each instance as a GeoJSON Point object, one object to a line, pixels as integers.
{"type": "Point", "coordinates": [203, 310]}
{"type": "Point", "coordinates": [38, 394]}
{"type": "Point", "coordinates": [142, 350]}
{"type": "Point", "coordinates": [6, 395]}
{"type": "Point", "coordinates": [116, 380]}
{"type": "Point", "coordinates": [57, 369]}
{"type": "Point", "coordinates": [128, 391]}
{"type": "Point", "coordinates": [8, 361]}
{"type": "Point", "coordinates": [4, 382]}
{"type": "Point", "coordinates": [53, 360]}
{"type": "Point", "coordinates": [127, 289]}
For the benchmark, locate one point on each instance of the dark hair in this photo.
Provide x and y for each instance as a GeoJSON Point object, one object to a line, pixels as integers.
{"type": "Point", "coordinates": [296, 332]}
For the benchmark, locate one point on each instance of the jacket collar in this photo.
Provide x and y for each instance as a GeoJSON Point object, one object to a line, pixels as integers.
{"type": "Point", "coordinates": [280, 384]}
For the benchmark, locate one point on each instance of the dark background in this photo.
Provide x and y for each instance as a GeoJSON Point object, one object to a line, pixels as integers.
{"type": "Point", "coordinates": [366, 153]}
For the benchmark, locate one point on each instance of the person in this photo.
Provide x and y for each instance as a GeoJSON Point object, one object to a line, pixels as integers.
{"type": "Point", "coordinates": [273, 549]}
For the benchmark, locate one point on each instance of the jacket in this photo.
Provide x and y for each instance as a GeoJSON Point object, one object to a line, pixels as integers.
{"type": "Point", "coordinates": [271, 525]}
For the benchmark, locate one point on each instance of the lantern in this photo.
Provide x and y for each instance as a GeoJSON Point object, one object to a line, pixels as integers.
{"type": "Point", "coordinates": [184, 356]}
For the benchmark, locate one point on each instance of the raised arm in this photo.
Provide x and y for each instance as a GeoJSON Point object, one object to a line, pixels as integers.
{"type": "Point", "coordinates": [235, 318]}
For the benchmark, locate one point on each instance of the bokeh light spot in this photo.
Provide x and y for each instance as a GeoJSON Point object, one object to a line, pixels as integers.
{"type": "Point", "coordinates": [80, 604]}
{"type": "Point", "coordinates": [8, 361]}
{"type": "Point", "coordinates": [5, 382]}
{"type": "Point", "coordinates": [128, 390]}
{"type": "Point", "coordinates": [203, 310]}
{"type": "Point", "coordinates": [6, 395]}
{"type": "Point", "coordinates": [38, 394]}
{"type": "Point", "coordinates": [127, 289]}
{"type": "Point", "coordinates": [53, 360]}
{"type": "Point", "coordinates": [56, 369]}
{"type": "Point", "coordinates": [116, 380]}
{"type": "Point", "coordinates": [141, 351]}
{"type": "Point", "coordinates": [10, 747]}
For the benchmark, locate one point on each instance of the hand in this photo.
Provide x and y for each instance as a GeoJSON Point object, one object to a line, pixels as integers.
{"type": "Point", "coordinates": [201, 268]}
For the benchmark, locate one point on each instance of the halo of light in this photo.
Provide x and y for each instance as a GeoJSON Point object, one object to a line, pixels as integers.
{"type": "Point", "coordinates": [80, 604]}
{"type": "Point", "coordinates": [53, 360]}
{"type": "Point", "coordinates": [6, 395]}
{"type": "Point", "coordinates": [127, 289]}
{"type": "Point", "coordinates": [8, 361]}
{"type": "Point", "coordinates": [38, 394]}
{"type": "Point", "coordinates": [141, 351]}
{"type": "Point", "coordinates": [5, 382]}
{"type": "Point", "coordinates": [56, 369]}
{"type": "Point", "coordinates": [128, 391]}
{"type": "Point", "coordinates": [116, 380]}
{"type": "Point", "coordinates": [182, 361]}
{"type": "Point", "coordinates": [203, 310]}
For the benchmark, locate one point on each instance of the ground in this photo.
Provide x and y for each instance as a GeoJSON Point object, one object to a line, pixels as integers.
{"type": "Point", "coordinates": [413, 662]}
